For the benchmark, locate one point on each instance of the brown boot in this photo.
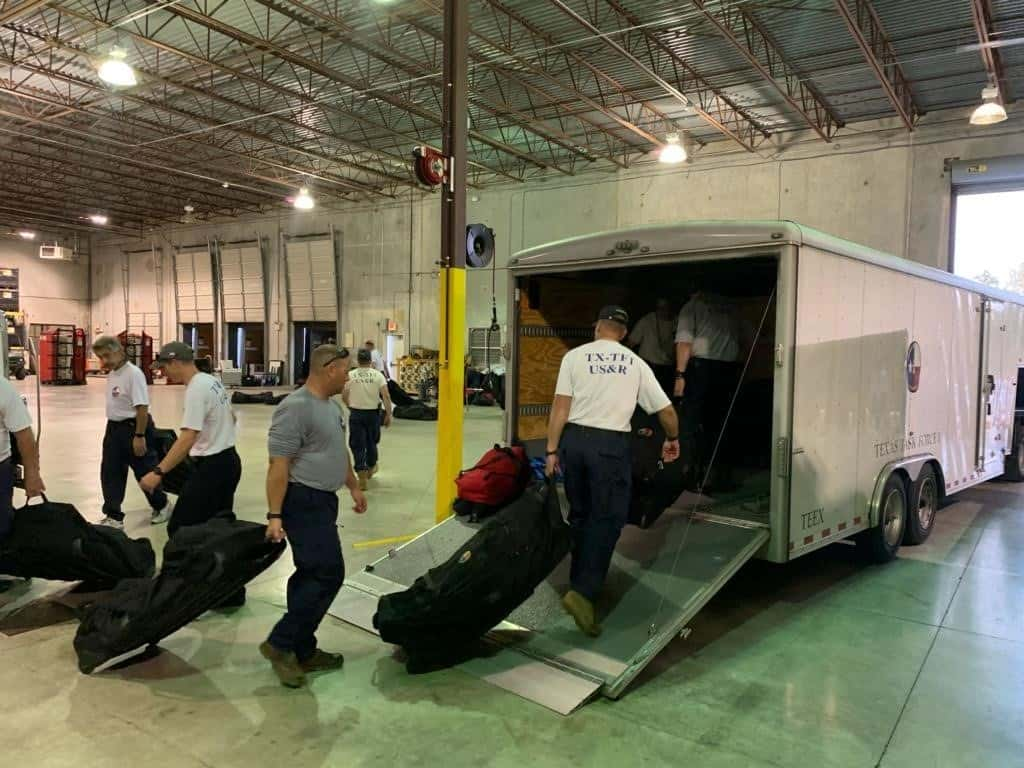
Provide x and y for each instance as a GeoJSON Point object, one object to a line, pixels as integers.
{"type": "Point", "coordinates": [322, 661]}
{"type": "Point", "coordinates": [582, 612]}
{"type": "Point", "coordinates": [285, 665]}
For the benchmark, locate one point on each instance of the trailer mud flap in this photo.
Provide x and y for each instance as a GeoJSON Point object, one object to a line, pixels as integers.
{"type": "Point", "coordinates": [660, 578]}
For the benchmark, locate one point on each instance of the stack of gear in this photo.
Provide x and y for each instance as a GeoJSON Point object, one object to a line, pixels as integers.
{"type": "Point", "coordinates": [414, 372]}
{"type": "Point", "coordinates": [52, 541]}
{"type": "Point", "coordinates": [175, 480]}
{"type": "Point", "coordinates": [266, 398]}
{"type": "Point", "coordinates": [656, 485]}
{"type": "Point", "coordinates": [494, 482]}
{"type": "Point", "coordinates": [203, 566]}
{"type": "Point", "coordinates": [440, 619]}
{"type": "Point", "coordinates": [415, 412]}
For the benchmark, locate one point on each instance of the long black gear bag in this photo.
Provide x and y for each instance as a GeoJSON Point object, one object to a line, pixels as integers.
{"type": "Point", "coordinates": [53, 541]}
{"type": "Point", "coordinates": [448, 609]}
{"type": "Point", "coordinates": [416, 412]}
{"type": "Point", "coordinates": [175, 480]}
{"type": "Point", "coordinates": [264, 398]}
{"type": "Point", "coordinates": [203, 566]}
{"type": "Point", "coordinates": [656, 484]}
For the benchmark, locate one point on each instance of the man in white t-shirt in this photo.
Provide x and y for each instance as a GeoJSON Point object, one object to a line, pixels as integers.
{"type": "Point", "coordinates": [207, 436]}
{"type": "Point", "coordinates": [599, 387]}
{"type": "Point", "coordinates": [653, 337]}
{"type": "Point", "coordinates": [365, 391]}
{"type": "Point", "coordinates": [377, 359]}
{"type": "Point", "coordinates": [128, 440]}
{"type": "Point", "coordinates": [707, 374]}
{"type": "Point", "coordinates": [15, 420]}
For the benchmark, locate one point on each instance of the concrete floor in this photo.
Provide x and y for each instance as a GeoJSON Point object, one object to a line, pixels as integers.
{"type": "Point", "coordinates": [824, 662]}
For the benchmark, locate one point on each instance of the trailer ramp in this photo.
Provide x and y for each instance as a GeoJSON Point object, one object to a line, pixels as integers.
{"type": "Point", "coordinates": [660, 578]}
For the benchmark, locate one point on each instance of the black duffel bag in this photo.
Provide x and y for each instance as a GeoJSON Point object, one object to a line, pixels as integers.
{"type": "Point", "coordinates": [53, 541]}
{"type": "Point", "coordinates": [203, 566]}
{"type": "Point", "coordinates": [398, 395]}
{"type": "Point", "coordinates": [416, 412]}
{"type": "Point", "coordinates": [656, 484]}
{"type": "Point", "coordinates": [174, 481]}
{"type": "Point", "coordinates": [443, 615]}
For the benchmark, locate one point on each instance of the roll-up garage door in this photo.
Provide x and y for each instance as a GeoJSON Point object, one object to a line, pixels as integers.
{"type": "Point", "coordinates": [193, 277]}
{"type": "Point", "coordinates": [312, 280]}
{"type": "Point", "coordinates": [241, 272]}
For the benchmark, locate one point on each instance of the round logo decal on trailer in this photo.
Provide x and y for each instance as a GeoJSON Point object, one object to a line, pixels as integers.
{"type": "Point", "coordinates": [914, 366]}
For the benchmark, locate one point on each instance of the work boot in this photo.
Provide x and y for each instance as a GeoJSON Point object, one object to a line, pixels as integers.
{"type": "Point", "coordinates": [322, 661]}
{"type": "Point", "coordinates": [285, 665]}
{"type": "Point", "coordinates": [364, 480]}
{"type": "Point", "coordinates": [582, 612]}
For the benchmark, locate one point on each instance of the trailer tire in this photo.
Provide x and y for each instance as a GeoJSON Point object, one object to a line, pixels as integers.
{"type": "Point", "coordinates": [20, 374]}
{"type": "Point", "coordinates": [1014, 466]}
{"type": "Point", "coordinates": [924, 503]}
{"type": "Point", "coordinates": [881, 543]}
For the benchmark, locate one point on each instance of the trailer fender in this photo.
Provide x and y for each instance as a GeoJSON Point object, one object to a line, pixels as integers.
{"type": "Point", "coordinates": [910, 467]}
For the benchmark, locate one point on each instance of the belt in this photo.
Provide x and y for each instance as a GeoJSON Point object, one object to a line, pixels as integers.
{"type": "Point", "coordinates": [121, 421]}
{"type": "Point", "coordinates": [201, 459]}
{"type": "Point", "coordinates": [596, 430]}
{"type": "Point", "coordinates": [365, 410]}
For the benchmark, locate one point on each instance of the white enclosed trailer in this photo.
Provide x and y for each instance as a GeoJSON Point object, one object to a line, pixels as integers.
{"type": "Point", "coordinates": [874, 387]}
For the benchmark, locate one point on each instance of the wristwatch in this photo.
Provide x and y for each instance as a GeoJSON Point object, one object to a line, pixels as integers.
{"type": "Point", "coordinates": [274, 516]}
{"type": "Point", "coordinates": [552, 453]}
{"type": "Point", "coordinates": [671, 439]}
{"type": "Point", "coordinates": [680, 375]}
{"type": "Point", "coordinates": [157, 471]}
{"type": "Point", "coordinates": [138, 435]}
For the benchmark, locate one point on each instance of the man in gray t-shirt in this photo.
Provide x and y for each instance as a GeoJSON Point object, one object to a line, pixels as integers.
{"type": "Point", "coordinates": [309, 462]}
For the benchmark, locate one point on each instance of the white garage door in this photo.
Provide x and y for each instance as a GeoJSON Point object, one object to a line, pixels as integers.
{"type": "Point", "coordinates": [312, 282]}
{"type": "Point", "coordinates": [241, 274]}
{"type": "Point", "coordinates": [193, 277]}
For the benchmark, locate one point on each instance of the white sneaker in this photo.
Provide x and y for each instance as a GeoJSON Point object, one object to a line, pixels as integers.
{"type": "Point", "coordinates": [112, 523]}
{"type": "Point", "coordinates": [161, 516]}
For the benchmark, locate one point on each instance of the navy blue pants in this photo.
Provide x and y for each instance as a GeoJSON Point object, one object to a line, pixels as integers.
{"type": "Point", "coordinates": [310, 520]}
{"type": "Point", "coordinates": [209, 492]}
{"type": "Point", "coordinates": [363, 437]}
{"type": "Point", "coordinates": [118, 457]}
{"type": "Point", "coordinates": [6, 496]}
{"type": "Point", "coordinates": [598, 477]}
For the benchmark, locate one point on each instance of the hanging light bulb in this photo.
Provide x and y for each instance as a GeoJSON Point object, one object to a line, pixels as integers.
{"type": "Point", "coordinates": [673, 152]}
{"type": "Point", "coordinates": [303, 201]}
{"type": "Point", "coordinates": [991, 111]}
{"type": "Point", "coordinates": [26, 234]}
{"type": "Point", "coordinates": [114, 70]}
{"type": "Point", "coordinates": [98, 219]}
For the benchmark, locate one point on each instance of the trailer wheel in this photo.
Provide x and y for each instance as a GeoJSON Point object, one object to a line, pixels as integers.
{"type": "Point", "coordinates": [924, 503]}
{"type": "Point", "coordinates": [20, 374]}
{"type": "Point", "coordinates": [881, 543]}
{"type": "Point", "coordinates": [1014, 467]}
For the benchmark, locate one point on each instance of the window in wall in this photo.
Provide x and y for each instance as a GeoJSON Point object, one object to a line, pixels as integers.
{"type": "Point", "coordinates": [987, 246]}
{"type": "Point", "coordinates": [484, 347]}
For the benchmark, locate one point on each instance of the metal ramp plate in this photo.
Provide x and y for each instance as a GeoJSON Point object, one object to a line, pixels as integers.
{"type": "Point", "coordinates": [659, 579]}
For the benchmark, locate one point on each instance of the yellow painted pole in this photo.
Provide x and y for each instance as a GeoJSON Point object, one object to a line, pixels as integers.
{"type": "Point", "coordinates": [450, 388]}
{"type": "Point", "coordinates": [452, 374]}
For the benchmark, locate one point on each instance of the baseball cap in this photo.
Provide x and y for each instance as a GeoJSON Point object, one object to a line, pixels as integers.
{"type": "Point", "coordinates": [174, 350]}
{"type": "Point", "coordinates": [614, 313]}
{"type": "Point", "coordinates": [364, 356]}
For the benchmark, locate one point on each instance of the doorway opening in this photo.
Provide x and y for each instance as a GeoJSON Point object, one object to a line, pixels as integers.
{"type": "Point", "coordinates": [245, 346]}
{"type": "Point", "coordinates": [199, 336]}
{"type": "Point", "coordinates": [308, 336]}
{"type": "Point", "coordinates": [986, 245]}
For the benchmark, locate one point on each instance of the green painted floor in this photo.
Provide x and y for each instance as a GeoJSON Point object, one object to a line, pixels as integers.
{"type": "Point", "coordinates": [824, 662]}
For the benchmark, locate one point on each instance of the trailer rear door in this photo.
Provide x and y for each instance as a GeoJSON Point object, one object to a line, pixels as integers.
{"type": "Point", "coordinates": [660, 578]}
